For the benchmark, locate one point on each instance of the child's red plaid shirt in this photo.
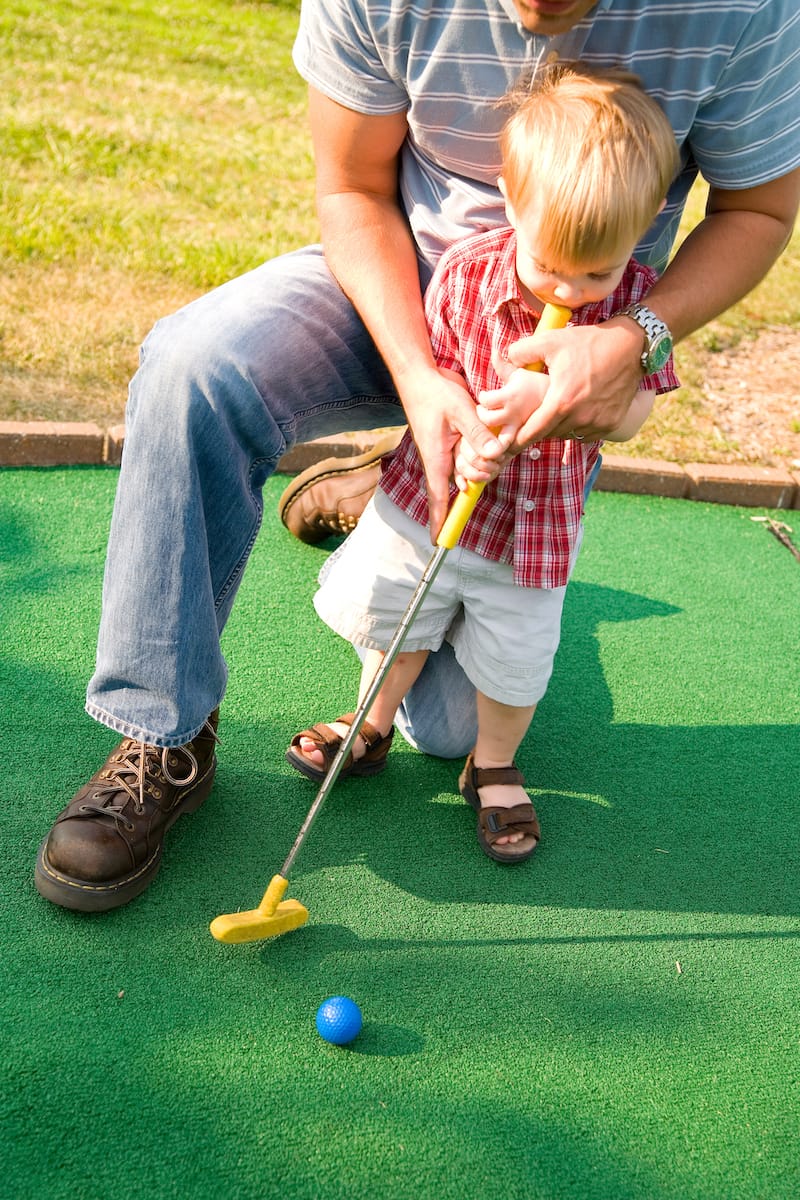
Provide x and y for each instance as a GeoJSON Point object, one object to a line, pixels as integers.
{"type": "Point", "coordinates": [530, 514]}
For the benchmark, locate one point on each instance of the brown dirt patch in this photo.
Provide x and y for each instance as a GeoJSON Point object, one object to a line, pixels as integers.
{"type": "Point", "coordinates": [754, 394]}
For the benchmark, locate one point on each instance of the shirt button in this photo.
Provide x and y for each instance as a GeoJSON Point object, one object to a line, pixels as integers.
{"type": "Point", "coordinates": [553, 56]}
{"type": "Point", "coordinates": [535, 453]}
{"type": "Point", "coordinates": [529, 506]}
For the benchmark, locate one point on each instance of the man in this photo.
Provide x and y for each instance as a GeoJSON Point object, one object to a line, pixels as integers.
{"type": "Point", "coordinates": [404, 119]}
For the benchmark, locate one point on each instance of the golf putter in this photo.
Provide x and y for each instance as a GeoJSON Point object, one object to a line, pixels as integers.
{"type": "Point", "coordinates": [275, 915]}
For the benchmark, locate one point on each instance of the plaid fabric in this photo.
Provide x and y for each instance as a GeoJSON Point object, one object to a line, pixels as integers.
{"type": "Point", "coordinates": [530, 514]}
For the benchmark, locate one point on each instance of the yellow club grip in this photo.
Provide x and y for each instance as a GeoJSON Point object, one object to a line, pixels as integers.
{"type": "Point", "coordinates": [554, 316]}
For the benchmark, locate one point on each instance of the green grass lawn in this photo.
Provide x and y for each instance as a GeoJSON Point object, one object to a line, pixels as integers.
{"type": "Point", "coordinates": [163, 139]}
{"type": "Point", "coordinates": [149, 151]}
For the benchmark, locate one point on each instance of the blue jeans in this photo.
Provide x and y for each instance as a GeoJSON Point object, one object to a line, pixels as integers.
{"type": "Point", "coordinates": [224, 388]}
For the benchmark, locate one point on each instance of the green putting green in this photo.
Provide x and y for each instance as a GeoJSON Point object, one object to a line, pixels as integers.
{"type": "Point", "coordinates": [616, 1019]}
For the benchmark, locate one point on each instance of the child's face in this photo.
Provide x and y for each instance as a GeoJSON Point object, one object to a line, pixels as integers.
{"type": "Point", "coordinates": [548, 282]}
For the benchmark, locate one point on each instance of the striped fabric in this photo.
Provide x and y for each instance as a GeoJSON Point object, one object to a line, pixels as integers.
{"type": "Point", "coordinates": [727, 72]}
{"type": "Point", "coordinates": [530, 515]}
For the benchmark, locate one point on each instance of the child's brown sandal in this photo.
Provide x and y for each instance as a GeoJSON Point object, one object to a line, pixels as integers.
{"type": "Point", "coordinates": [371, 762]}
{"type": "Point", "coordinates": [494, 823]}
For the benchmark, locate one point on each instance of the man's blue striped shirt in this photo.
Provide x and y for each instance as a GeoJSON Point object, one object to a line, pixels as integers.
{"type": "Point", "coordinates": [727, 72]}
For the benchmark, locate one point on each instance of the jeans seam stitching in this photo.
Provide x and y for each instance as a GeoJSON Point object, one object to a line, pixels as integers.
{"type": "Point", "coordinates": [238, 569]}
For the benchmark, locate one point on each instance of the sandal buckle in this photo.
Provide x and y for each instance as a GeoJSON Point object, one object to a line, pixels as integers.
{"type": "Point", "coordinates": [493, 823]}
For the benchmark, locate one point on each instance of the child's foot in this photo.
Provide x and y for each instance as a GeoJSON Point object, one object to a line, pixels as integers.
{"type": "Point", "coordinates": [503, 795]}
{"type": "Point", "coordinates": [508, 828]}
{"type": "Point", "coordinates": [313, 750]}
{"type": "Point", "coordinates": [310, 749]}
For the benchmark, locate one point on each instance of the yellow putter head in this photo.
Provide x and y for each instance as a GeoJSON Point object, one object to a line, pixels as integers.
{"type": "Point", "coordinates": [272, 917]}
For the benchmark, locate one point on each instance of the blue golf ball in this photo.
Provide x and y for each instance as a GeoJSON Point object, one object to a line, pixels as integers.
{"type": "Point", "coordinates": [338, 1020]}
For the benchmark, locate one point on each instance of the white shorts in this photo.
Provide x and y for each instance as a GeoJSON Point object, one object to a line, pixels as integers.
{"type": "Point", "coordinates": [504, 636]}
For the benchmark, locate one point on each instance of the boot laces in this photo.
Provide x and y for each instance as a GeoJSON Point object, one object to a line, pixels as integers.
{"type": "Point", "coordinates": [138, 771]}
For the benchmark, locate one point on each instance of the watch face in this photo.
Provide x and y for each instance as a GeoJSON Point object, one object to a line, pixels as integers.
{"type": "Point", "coordinates": [660, 351]}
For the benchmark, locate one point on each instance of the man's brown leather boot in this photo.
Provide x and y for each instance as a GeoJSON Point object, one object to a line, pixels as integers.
{"type": "Point", "coordinates": [105, 846]}
{"type": "Point", "coordinates": [329, 497]}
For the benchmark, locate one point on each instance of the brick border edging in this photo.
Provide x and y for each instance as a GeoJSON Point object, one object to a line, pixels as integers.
{"type": "Point", "coordinates": [72, 444]}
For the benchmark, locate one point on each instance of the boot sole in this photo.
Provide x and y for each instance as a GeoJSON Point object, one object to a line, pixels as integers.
{"type": "Point", "coordinates": [81, 895]}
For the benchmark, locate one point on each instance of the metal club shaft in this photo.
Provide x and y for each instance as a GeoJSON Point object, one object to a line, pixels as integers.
{"type": "Point", "coordinates": [393, 649]}
{"type": "Point", "coordinates": [554, 316]}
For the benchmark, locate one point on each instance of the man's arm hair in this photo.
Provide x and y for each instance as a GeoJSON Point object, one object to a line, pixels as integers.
{"type": "Point", "coordinates": [365, 235]}
{"type": "Point", "coordinates": [730, 251]}
{"type": "Point", "coordinates": [369, 248]}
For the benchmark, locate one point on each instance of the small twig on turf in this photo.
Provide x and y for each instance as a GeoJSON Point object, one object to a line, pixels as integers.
{"type": "Point", "coordinates": [781, 532]}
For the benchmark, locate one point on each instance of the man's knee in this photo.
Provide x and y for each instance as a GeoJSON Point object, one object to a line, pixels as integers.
{"type": "Point", "coordinates": [439, 714]}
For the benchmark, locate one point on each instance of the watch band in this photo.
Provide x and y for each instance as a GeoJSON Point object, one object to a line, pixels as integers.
{"type": "Point", "coordinates": [658, 339]}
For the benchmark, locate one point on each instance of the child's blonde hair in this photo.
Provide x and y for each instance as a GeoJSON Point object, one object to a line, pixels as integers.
{"type": "Point", "coordinates": [592, 155]}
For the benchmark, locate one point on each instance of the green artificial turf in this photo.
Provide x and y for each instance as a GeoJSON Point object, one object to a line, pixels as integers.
{"type": "Point", "coordinates": [616, 1019]}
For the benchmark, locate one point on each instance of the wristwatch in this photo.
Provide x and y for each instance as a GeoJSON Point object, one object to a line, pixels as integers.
{"type": "Point", "coordinates": [658, 343]}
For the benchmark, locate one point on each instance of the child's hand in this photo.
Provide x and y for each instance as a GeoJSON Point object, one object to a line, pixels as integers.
{"type": "Point", "coordinates": [504, 410]}
{"type": "Point", "coordinates": [470, 467]}
{"type": "Point", "coordinates": [507, 408]}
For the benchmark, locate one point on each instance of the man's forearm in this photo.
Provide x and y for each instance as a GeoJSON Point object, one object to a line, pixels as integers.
{"type": "Point", "coordinates": [722, 259]}
{"type": "Point", "coordinates": [370, 251]}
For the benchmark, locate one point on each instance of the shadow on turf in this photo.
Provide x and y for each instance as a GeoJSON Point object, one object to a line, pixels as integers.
{"type": "Point", "coordinates": [387, 1041]}
{"type": "Point", "coordinates": [635, 816]}
{"type": "Point", "coordinates": [323, 939]}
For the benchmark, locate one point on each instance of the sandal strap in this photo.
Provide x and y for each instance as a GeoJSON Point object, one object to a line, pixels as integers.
{"type": "Point", "coordinates": [372, 737]}
{"type": "Point", "coordinates": [327, 741]}
{"type": "Point", "coordinates": [497, 822]}
{"type": "Point", "coordinates": [485, 776]}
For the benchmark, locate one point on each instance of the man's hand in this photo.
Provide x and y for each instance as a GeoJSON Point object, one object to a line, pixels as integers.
{"type": "Point", "coordinates": [593, 373]}
{"type": "Point", "coordinates": [442, 418]}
